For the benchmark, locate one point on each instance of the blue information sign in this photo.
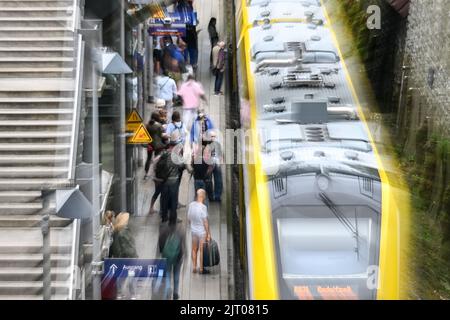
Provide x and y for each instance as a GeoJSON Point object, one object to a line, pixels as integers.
{"type": "Point", "coordinates": [142, 268]}
{"type": "Point", "coordinates": [167, 30]}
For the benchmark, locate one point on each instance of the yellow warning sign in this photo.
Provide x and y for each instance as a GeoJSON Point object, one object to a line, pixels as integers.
{"type": "Point", "coordinates": [140, 136]}
{"type": "Point", "coordinates": [134, 120]}
{"type": "Point", "coordinates": [134, 116]}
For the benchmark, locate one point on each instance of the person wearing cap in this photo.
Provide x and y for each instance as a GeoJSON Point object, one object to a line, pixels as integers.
{"type": "Point", "coordinates": [166, 89]}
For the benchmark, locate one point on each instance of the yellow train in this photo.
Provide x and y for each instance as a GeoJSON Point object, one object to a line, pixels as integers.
{"type": "Point", "coordinates": [319, 218]}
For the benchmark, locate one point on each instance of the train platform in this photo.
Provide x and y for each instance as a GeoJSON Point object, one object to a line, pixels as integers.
{"type": "Point", "coordinates": [213, 286]}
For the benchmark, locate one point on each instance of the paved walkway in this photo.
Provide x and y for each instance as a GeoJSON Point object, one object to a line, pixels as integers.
{"type": "Point", "coordinates": [192, 286]}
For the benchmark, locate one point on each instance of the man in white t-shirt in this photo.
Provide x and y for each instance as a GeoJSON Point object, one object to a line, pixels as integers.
{"type": "Point", "coordinates": [166, 89]}
{"type": "Point", "coordinates": [198, 217]}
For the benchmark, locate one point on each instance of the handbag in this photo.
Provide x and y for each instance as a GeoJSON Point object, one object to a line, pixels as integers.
{"type": "Point", "coordinates": [211, 255]}
{"type": "Point", "coordinates": [178, 101]}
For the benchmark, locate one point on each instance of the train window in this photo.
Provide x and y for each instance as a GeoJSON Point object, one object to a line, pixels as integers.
{"type": "Point", "coordinates": [325, 57]}
{"type": "Point", "coordinates": [323, 247]}
{"type": "Point", "coordinates": [319, 57]}
{"type": "Point", "coordinates": [322, 254]}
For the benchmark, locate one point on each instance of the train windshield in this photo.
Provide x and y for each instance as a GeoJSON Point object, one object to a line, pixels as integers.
{"type": "Point", "coordinates": [323, 253]}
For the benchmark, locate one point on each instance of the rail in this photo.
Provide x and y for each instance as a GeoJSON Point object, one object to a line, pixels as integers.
{"type": "Point", "coordinates": [78, 93]}
{"type": "Point", "coordinates": [77, 107]}
{"type": "Point", "coordinates": [76, 15]}
{"type": "Point", "coordinates": [105, 237]}
{"type": "Point", "coordinates": [73, 160]}
{"type": "Point", "coordinates": [74, 274]}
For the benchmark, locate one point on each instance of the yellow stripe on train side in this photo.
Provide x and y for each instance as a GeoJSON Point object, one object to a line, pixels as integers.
{"type": "Point", "coordinates": [392, 209]}
{"type": "Point", "coordinates": [261, 249]}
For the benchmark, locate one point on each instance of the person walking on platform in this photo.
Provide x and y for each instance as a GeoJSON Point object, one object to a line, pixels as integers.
{"type": "Point", "coordinates": [214, 152]}
{"type": "Point", "coordinates": [166, 89]}
{"type": "Point", "coordinates": [168, 170]}
{"type": "Point", "coordinates": [202, 172]}
{"type": "Point", "coordinates": [199, 130]}
{"type": "Point", "coordinates": [186, 11]}
{"type": "Point", "coordinates": [218, 55]}
{"type": "Point", "coordinates": [158, 180]}
{"type": "Point", "coordinates": [172, 246]}
{"type": "Point", "coordinates": [158, 54]}
{"type": "Point", "coordinates": [213, 38]}
{"type": "Point", "coordinates": [155, 129]}
{"type": "Point", "coordinates": [166, 55]}
{"type": "Point", "coordinates": [175, 129]}
{"type": "Point", "coordinates": [200, 233]}
{"type": "Point", "coordinates": [173, 59]}
{"type": "Point", "coordinates": [191, 92]}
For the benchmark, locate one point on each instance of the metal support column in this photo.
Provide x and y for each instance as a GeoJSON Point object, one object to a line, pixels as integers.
{"type": "Point", "coordinates": [122, 135]}
{"type": "Point", "coordinates": [96, 258]}
{"type": "Point", "coordinates": [149, 67]}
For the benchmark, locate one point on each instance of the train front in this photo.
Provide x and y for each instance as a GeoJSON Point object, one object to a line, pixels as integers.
{"type": "Point", "coordinates": [326, 225]}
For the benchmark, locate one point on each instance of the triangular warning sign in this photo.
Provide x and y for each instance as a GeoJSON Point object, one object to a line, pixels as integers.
{"type": "Point", "coordinates": [141, 135]}
{"type": "Point", "coordinates": [134, 117]}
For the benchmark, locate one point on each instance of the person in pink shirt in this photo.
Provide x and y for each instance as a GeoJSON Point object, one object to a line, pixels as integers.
{"type": "Point", "coordinates": [191, 92]}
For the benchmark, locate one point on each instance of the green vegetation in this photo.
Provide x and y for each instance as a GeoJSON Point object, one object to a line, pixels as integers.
{"type": "Point", "coordinates": [427, 171]}
{"type": "Point", "coordinates": [430, 232]}
{"type": "Point", "coordinates": [364, 38]}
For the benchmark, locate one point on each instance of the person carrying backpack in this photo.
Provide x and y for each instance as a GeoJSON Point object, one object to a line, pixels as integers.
{"type": "Point", "coordinates": [176, 129]}
{"type": "Point", "coordinates": [168, 170]}
{"type": "Point", "coordinates": [172, 247]}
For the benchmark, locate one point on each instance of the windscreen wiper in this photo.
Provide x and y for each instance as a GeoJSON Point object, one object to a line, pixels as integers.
{"type": "Point", "coordinates": [342, 219]}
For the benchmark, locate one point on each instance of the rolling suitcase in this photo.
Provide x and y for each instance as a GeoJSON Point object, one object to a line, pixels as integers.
{"type": "Point", "coordinates": [211, 255]}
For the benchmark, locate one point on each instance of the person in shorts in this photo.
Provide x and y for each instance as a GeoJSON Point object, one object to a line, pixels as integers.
{"type": "Point", "coordinates": [200, 233]}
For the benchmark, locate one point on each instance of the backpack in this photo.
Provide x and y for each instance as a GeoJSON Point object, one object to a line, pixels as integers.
{"type": "Point", "coordinates": [162, 167]}
{"type": "Point", "coordinates": [180, 132]}
{"type": "Point", "coordinates": [171, 249]}
{"type": "Point", "coordinates": [123, 245]}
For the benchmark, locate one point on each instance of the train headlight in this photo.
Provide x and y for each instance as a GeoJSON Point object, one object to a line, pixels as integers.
{"type": "Point", "coordinates": [323, 182]}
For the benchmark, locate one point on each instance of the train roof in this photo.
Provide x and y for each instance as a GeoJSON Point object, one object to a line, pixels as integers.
{"type": "Point", "coordinates": [280, 10]}
{"type": "Point", "coordinates": [304, 101]}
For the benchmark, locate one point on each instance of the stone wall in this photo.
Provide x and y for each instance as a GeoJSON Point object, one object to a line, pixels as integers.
{"type": "Point", "coordinates": [428, 56]}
